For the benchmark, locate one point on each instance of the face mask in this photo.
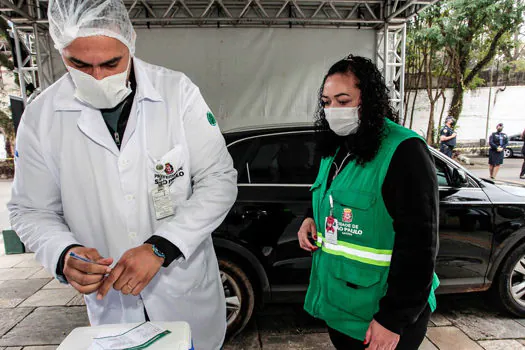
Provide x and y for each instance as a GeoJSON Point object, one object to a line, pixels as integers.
{"type": "Point", "coordinates": [343, 121]}
{"type": "Point", "coordinates": [100, 94]}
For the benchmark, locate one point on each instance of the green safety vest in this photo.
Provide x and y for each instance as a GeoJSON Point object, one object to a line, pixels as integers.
{"type": "Point", "coordinates": [349, 278]}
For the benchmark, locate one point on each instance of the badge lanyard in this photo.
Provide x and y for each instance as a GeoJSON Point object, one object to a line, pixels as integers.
{"type": "Point", "coordinates": [331, 206]}
{"type": "Point", "coordinates": [338, 169]}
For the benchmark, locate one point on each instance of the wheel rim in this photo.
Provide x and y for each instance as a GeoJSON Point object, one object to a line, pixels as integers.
{"type": "Point", "coordinates": [517, 282]}
{"type": "Point", "coordinates": [232, 291]}
{"type": "Point", "coordinates": [507, 153]}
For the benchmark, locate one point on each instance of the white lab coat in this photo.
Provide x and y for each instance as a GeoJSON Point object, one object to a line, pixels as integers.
{"type": "Point", "coordinates": [74, 186]}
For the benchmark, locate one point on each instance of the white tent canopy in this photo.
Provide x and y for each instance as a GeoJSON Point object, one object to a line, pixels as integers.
{"type": "Point", "coordinates": [256, 61]}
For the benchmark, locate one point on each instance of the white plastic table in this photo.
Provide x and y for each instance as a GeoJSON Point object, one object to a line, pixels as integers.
{"type": "Point", "coordinates": [82, 338]}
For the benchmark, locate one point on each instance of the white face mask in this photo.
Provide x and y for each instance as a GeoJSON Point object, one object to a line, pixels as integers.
{"type": "Point", "coordinates": [100, 94]}
{"type": "Point", "coordinates": [343, 121]}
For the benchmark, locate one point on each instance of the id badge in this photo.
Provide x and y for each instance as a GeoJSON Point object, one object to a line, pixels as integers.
{"type": "Point", "coordinates": [330, 230]}
{"type": "Point", "coordinates": [162, 202]}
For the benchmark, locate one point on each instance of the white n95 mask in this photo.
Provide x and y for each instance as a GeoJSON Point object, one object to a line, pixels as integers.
{"type": "Point", "coordinates": [100, 94]}
{"type": "Point", "coordinates": [343, 121]}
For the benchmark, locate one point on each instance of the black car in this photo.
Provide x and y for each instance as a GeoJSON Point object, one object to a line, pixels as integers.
{"type": "Point", "coordinates": [482, 226]}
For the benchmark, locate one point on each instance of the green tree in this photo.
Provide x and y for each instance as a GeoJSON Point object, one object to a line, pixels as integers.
{"type": "Point", "coordinates": [473, 32]}
{"type": "Point", "coordinates": [429, 63]}
{"type": "Point", "coordinates": [7, 128]}
{"type": "Point", "coordinates": [414, 67]}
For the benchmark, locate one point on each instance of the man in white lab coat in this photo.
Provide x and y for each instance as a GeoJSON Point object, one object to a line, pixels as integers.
{"type": "Point", "coordinates": [122, 163]}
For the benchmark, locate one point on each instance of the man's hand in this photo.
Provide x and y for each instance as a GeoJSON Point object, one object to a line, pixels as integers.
{"type": "Point", "coordinates": [499, 149]}
{"type": "Point", "coordinates": [307, 228]}
{"type": "Point", "coordinates": [133, 272]}
{"type": "Point", "coordinates": [380, 338]}
{"type": "Point", "coordinates": [83, 276]}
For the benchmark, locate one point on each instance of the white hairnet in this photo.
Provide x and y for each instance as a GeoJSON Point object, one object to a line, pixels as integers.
{"type": "Point", "coordinates": [71, 19]}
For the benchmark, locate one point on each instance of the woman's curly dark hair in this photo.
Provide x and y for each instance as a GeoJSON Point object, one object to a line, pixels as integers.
{"type": "Point", "coordinates": [375, 107]}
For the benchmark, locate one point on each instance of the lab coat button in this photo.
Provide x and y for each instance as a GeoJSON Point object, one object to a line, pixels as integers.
{"type": "Point", "coordinates": [129, 197]}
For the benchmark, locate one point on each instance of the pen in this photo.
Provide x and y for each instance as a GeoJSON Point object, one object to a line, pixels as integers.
{"type": "Point", "coordinates": [81, 258]}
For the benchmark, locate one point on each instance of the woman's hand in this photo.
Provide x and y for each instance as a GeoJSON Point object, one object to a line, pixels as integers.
{"type": "Point", "coordinates": [308, 228]}
{"type": "Point", "coordinates": [380, 338]}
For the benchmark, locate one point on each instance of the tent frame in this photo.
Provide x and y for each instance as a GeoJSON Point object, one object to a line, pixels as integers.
{"type": "Point", "coordinates": [387, 17]}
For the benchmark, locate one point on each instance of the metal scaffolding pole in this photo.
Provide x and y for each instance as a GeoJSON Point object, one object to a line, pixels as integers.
{"type": "Point", "coordinates": [390, 55]}
{"type": "Point", "coordinates": [20, 69]}
{"type": "Point", "coordinates": [249, 13]}
{"type": "Point", "coordinates": [402, 75]}
{"type": "Point", "coordinates": [38, 56]}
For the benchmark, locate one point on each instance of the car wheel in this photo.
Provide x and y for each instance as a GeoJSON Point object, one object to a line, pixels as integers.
{"type": "Point", "coordinates": [511, 283]}
{"type": "Point", "coordinates": [240, 296]}
{"type": "Point", "coordinates": [508, 153]}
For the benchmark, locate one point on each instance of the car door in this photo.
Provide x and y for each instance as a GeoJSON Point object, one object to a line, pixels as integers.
{"type": "Point", "coordinates": [275, 175]}
{"type": "Point", "coordinates": [465, 229]}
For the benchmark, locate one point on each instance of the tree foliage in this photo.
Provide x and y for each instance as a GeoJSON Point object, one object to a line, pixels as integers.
{"type": "Point", "coordinates": [464, 37]}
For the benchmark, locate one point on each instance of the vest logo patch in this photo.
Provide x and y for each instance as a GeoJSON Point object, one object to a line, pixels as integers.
{"type": "Point", "coordinates": [348, 216]}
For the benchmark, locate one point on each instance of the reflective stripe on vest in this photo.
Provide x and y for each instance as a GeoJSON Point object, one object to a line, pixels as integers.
{"type": "Point", "coordinates": [362, 254]}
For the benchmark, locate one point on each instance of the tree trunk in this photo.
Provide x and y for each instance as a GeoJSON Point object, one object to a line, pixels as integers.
{"type": "Point", "coordinates": [456, 105]}
{"type": "Point", "coordinates": [8, 147]}
{"type": "Point", "coordinates": [431, 124]}
{"type": "Point", "coordinates": [442, 109]}
{"type": "Point", "coordinates": [416, 87]}
{"type": "Point", "coordinates": [406, 102]}
{"type": "Point", "coordinates": [413, 108]}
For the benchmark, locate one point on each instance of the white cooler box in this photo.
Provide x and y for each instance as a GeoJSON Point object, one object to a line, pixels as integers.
{"type": "Point", "coordinates": [82, 338]}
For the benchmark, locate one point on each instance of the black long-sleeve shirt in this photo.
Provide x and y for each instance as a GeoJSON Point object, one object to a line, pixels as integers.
{"type": "Point", "coordinates": [410, 194]}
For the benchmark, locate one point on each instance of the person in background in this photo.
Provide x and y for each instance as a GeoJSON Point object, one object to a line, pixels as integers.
{"type": "Point", "coordinates": [498, 141]}
{"type": "Point", "coordinates": [374, 218]}
{"type": "Point", "coordinates": [522, 174]}
{"type": "Point", "coordinates": [447, 137]}
{"type": "Point", "coordinates": [122, 163]}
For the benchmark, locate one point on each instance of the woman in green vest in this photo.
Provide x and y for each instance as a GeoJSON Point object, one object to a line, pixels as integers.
{"type": "Point", "coordinates": [373, 226]}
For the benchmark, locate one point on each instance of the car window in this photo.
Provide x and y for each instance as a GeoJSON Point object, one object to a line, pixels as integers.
{"type": "Point", "coordinates": [444, 175]}
{"type": "Point", "coordinates": [284, 159]}
{"type": "Point", "coordinates": [240, 152]}
{"type": "Point", "coordinates": [515, 138]}
{"type": "Point", "coordinates": [442, 172]}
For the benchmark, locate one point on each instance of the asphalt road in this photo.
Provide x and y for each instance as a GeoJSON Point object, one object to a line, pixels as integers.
{"type": "Point", "coordinates": [509, 171]}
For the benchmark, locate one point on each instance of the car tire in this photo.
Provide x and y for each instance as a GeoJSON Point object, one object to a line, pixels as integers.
{"type": "Point", "coordinates": [507, 153]}
{"type": "Point", "coordinates": [240, 296]}
{"type": "Point", "coordinates": [510, 283]}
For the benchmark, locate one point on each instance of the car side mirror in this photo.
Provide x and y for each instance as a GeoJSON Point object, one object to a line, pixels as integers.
{"type": "Point", "coordinates": [459, 178]}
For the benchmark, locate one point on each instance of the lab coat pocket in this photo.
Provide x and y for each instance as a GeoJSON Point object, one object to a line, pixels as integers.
{"type": "Point", "coordinates": [170, 170]}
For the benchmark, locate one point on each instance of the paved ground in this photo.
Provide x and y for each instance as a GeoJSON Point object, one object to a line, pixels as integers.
{"type": "Point", "coordinates": [509, 171]}
{"type": "Point", "coordinates": [37, 313]}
